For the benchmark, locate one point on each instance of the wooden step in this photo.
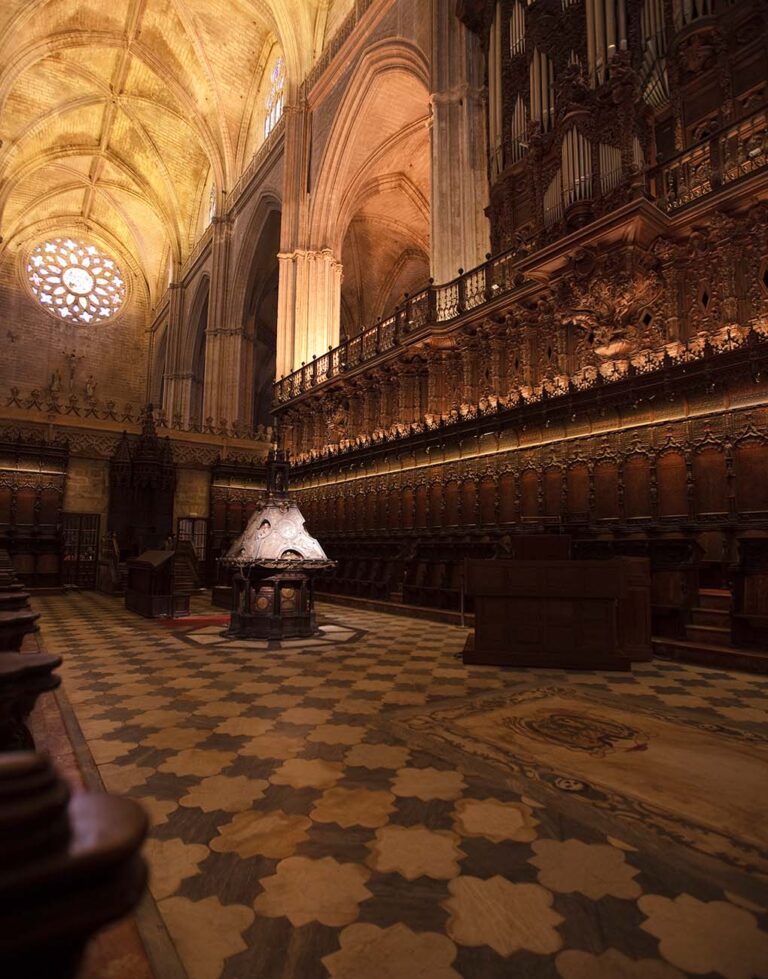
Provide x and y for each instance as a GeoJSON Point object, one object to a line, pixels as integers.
{"type": "Point", "coordinates": [716, 598]}
{"type": "Point", "coordinates": [717, 635]}
{"type": "Point", "coordinates": [709, 654]}
{"type": "Point", "coordinates": [711, 616]}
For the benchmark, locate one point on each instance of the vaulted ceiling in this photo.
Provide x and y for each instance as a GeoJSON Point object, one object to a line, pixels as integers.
{"type": "Point", "coordinates": [116, 114]}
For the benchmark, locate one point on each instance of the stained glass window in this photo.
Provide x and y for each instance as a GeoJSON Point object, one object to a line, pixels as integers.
{"type": "Point", "coordinates": [274, 103]}
{"type": "Point", "coordinates": [74, 280]}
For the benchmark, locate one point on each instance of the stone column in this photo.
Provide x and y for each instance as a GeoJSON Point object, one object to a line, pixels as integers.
{"type": "Point", "coordinates": [309, 309]}
{"type": "Point", "coordinates": [460, 233]}
{"type": "Point", "coordinates": [223, 340]}
{"type": "Point", "coordinates": [176, 386]}
{"type": "Point", "coordinates": [309, 296]}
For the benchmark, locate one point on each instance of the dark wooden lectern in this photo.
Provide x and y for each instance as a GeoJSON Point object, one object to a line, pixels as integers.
{"type": "Point", "coordinates": [560, 614]}
{"type": "Point", "coordinates": [152, 589]}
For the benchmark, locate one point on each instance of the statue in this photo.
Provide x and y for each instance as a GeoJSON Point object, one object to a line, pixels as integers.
{"type": "Point", "coordinates": [90, 387]}
{"type": "Point", "coordinates": [55, 383]}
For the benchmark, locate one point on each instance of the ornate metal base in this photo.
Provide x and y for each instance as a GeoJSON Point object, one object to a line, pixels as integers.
{"type": "Point", "coordinates": [271, 606]}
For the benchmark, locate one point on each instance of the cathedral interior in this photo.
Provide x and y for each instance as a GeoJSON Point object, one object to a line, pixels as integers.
{"type": "Point", "coordinates": [384, 489]}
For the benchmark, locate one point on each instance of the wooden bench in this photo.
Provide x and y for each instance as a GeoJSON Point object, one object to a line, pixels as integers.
{"type": "Point", "coordinates": [13, 600]}
{"type": "Point", "coordinates": [23, 677]}
{"type": "Point", "coordinates": [14, 625]}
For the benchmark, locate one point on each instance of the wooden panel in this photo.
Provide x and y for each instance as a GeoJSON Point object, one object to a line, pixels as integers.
{"type": "Point", "coordinates": [25, 506]}
{"type": "Point", "coordinates": [407, 503]}
{"type": "Point", "coordinates": [451, 504]}
{"type": "Point", "coordinates": [507, 512]}
{"type": "Point", "coordinates": [751, 466]}
{"type": "Point", "coordinates": [421, 505]}
{"type": "Point", "coordinates": [637, 486]}
{"type": "Point", "coordinates": [382, 504]}
{"type": "Point", "coordinates": [577, 479]}
{"type": "Point", "coordinates": [358, 501]}
{"type": "Point", "coordinates": [218, 515]}
{"type": "Point", "coordinates": [393, 510]}
{"type": "Point", "coordinates": [672, 481]}
{"type": "Point", "coordinates": [553, 492]}
{"type": "Point", "coordinates": [50, 503]}
{"type": "Point", "coordinates": [606, 490]}
{"type": "Point", "coordinates": [24, 564]}
{"type": "Point", "coordinates": [488, 501]}
{"type": "Point", "coordinates": [48, 564]}
{"type": "Point", "coordinates": [435, 505]}
{"type": "Point", "coordinates": [710, 481]}
{"type": "Point", "coordinates": [469, 503]}
{"type": "Point", "coordinates": [371, 516]}
{"type": "Point", "coordinates": [529, 494]}
{"type": "Point", "coordinates": [5, 504]}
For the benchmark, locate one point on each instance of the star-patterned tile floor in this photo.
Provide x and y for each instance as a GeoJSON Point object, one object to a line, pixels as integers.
{"type": "Point", "coordinates": [364, 805]}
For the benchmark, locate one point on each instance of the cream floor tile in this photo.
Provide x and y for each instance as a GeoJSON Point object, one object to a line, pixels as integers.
{"type": "Point", "coordinates": [197, 761]}
{"type": "Point", "coordinates": [353, 807]}
{"type": "Point", "coordinates": [428, 783]}
{"type": "Point", "coordinates": [226, 792]}
{"type": "Point", "coordinates": [170, 862]}
{"type": "Point", "coordinates": [415, 851]}
{"type": "Point", "coordinates": [505, 916]}
{"type": "Point", "coordinates": [391, 953]}
{"type": "Point", "coordinates": [302, 773]}
{"type": "Point", "coordinates": [206, 932]}
{"type": "Point", "coordinates": [305, 890]}
{"type": "Point", "coordinates": [273, 834]}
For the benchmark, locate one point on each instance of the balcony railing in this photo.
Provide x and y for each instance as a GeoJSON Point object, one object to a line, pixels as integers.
{"type": "Point", "coordinates": [433, 305]}
{"type": "Point", "coordinates": [729, 154]}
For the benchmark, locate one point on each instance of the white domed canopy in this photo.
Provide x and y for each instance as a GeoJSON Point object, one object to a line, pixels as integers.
{"type": "Point", "coordinates": [276, 537]}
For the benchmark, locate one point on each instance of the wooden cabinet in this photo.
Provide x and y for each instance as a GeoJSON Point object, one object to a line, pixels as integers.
{"type": "Point", "coordinates": [560, 614]}
{"type": "Point", "coordinates": [151, 589]}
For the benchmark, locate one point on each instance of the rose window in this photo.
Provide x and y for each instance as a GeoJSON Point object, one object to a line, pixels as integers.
{"type": "Point", "coordinates": [74, 280]}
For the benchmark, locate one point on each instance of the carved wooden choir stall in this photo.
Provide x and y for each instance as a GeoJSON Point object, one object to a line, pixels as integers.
{"type": "Point", "coordinates": [142, 479]}
{"type": "Point", "coordinates": [32, 478]}
{"type": "Point", "coordinates": [69, 864]}
{"type": "Point", "coordinates": [603, 374]}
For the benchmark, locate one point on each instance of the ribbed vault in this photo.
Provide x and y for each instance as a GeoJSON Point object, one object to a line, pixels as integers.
{"type": "Point", "coordinates": [117, 117]}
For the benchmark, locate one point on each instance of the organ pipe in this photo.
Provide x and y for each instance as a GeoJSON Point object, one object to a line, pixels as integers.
{"type": "Point", "coordinates": [495, 101]}
{"type": "Point", "coordinates": [686, 11]}
{"type": "Point", "coordinates": [610, 167]}
{"type": "Point", "coordinates": [576, 154]}
{"type": "Point", "coordinates": [553, 200]}
{"type": "Point", "coordinates": [542, 84]}
{"type": "Point", "coordinates": [654, 67]}
{"type": "Point", "coordinates": [519, 125]}
{"type": "Point", "coordinates": [517, 29]}
{"type": "Point", "coordinates": [606, 34]}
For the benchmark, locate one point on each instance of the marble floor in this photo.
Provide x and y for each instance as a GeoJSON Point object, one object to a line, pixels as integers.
{"type": "Point", "coordinates": [364, 806]}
